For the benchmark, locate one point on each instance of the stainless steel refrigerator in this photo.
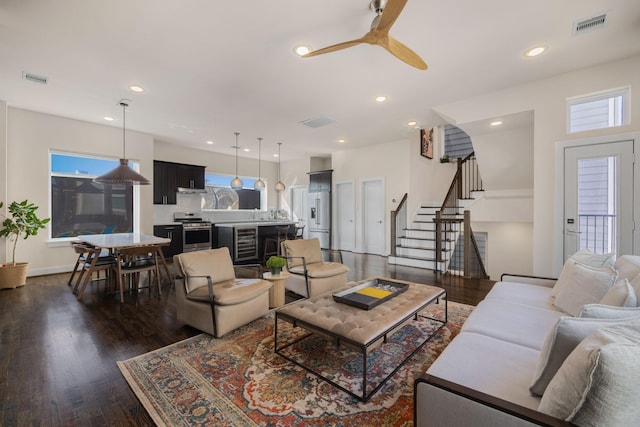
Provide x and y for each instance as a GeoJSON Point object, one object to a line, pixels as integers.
{"type": "Point", "coordinates": [320, 218]}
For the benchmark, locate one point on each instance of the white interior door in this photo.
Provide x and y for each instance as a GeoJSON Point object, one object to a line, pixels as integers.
{"type": "Point", "coordinates": [599, 198]}
{"type": "Point", "coordinates": [373, 216]}
{"type": "Point", "coordinates": [299, 206]}
{"type": "Point", "coordinates": [345, 213]}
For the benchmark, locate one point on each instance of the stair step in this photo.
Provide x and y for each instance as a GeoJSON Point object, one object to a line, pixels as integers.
{"type": "Point", "coordinates": [415, 262]}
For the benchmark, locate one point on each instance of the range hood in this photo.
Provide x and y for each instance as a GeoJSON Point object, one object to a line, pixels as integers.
{"type": "Point", "coordinates": [187, 190]}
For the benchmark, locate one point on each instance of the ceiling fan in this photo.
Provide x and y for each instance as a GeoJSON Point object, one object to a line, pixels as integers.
{"type": "Point", "coordinates": [387, 11]}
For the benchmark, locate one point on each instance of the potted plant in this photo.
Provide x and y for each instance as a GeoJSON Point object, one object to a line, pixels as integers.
{"type": "Point", "coordinates": [275, 264]}
{"type": "Point", "coordinates": [22, 222]}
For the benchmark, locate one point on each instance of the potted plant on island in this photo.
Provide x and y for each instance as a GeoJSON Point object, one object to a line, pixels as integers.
{"type": "Point", "coordinates": [275, 264]}
{"type": "Point", "coordinates": [22, 222]}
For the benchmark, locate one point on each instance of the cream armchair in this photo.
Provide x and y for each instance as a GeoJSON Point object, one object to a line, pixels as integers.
{"type": "Point", "coordinates": [310, 274]}
{"type": "Point", "coordinates": [209, 297]}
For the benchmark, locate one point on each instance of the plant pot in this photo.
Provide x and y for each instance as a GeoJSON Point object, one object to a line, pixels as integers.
{"type": "Point", "coordinates": [12, 276]}
{"type": "Point", "coordinates": [275, 270]}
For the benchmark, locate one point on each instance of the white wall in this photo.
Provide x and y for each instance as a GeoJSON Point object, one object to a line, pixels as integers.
{"type": "Point", "coordinates": [388, 161]}
{"type": "Point", "coordinates": [508, 247]}
{"type": "Point", "coordinates": [547, 99]}
{"type": "Point", "coordinates": [4, 182]}
{"type": "Point", "coordinates": [31, 136]}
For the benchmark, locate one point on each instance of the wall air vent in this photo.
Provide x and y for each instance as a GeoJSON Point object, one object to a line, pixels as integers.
{"type": "Point", "coordinates": [34, 78]}
{"type": "Point", "coordinates": [318, 121]}
{"type": "Point", "coordinates": [589, 24]}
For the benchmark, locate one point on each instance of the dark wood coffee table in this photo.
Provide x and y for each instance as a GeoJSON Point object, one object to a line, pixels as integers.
{"type": "Point", "coordinates": [360, 329]}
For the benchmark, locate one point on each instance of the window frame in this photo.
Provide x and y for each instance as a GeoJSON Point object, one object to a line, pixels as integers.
{"type": "Point", "coordinates": [135, 165]}
{"type": "Point", "coordinates": [610, 94]}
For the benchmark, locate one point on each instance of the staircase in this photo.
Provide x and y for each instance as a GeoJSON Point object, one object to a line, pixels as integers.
{"type": "Point", "coordinates": [416, 244]}
{"type": "Point", "coordinates": [429, 240]}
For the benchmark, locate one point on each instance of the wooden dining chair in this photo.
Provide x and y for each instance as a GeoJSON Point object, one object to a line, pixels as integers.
{"type": "Point", "coordinates": [93, 261]}
{"type": "Point", "coordinates": [82, 252]}
{"type": "Point", "coordinates": [132, 261]}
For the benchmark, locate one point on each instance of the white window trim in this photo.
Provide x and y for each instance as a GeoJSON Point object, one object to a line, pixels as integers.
{"type": "Point", "coordinates": [624, 92]}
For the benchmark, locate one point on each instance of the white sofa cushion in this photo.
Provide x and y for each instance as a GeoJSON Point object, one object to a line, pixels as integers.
{"type": "Point", "coordinates": [522, 293]}
{"type": "Point", "coordinates": [499, 368]}
{"type": "Point", "coordinates": [608, 311]}
{"type": "Point", "coordinates": [585, 285]}
{"type": "Point", "coordinates": [563, 338]}
{"type": "Point", "coordinates": [620, 295]}
{"type": "Point", "coordinates": [583, 257]}
{"type": "Point", "coordinates": [598, 384]}
{"type": "Point", "coordinates": [517, 323]}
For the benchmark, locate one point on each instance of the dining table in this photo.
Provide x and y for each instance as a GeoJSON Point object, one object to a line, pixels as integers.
{"type": "Point", "coordinates": [113, 241]}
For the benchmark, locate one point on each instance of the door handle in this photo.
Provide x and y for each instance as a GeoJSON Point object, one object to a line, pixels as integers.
{"type": "Point", "coordinates": [573, 232]}
{"type": "Point", "coordinates": [379, 222]}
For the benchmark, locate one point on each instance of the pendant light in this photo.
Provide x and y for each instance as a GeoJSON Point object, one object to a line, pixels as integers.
{"type": "Point", "coordinates": [259, 184]}
{"type": "Point", "coordinates": [123, 174]}
{"type": "Point", "coordinates": [280, 185]}
{"type": "Point", "coordinates": [236, 183]}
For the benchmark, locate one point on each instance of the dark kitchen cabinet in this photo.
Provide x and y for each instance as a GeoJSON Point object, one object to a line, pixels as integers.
{"type": "Point", "coordinates": [173, 232]}
{"type": "Point", "coordinates": [165, 183]}
{"type": "Point", "coordinates": [168, 177]}
{"type": "Point", "coordinates": [320, 181]}
{"type": "Point", "coordinates": [189, 176]}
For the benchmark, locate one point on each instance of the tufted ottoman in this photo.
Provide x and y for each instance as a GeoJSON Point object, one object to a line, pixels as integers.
{"type": "Point", "coordinates": [358, 328]}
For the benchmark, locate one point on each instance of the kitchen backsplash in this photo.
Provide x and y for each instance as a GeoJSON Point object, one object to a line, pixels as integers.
{"type": "Point", "coordinates": [163, 214]}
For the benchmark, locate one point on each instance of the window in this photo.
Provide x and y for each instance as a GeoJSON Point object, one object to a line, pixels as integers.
{"type": "Point", "coordinates": [457, 143]}
{"type": "Point", "coordinates": [598, 110]}
{"type": "Point", "coordinates": [81, 206]}
{"type": "Point", "coordinates": [219, 194]}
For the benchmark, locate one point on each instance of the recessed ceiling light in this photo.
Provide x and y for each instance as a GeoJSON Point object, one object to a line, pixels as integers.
{"type": "Point", "coordinates": [341, 141]}
{"type": "Point", "coordinates": [412, 123]}
{"type": "Point", "coordinates": [534, 51]}
{"type": "Point", "coordinates": [246, 150]}
{"type": "Point", "coordinates": [496, 123]}
{"type": "Point", "coordinates": [381, 98]}
{"type": "Point", "coordinates": [210, 142]}
{"type": "Point", "coordinates": [136, 88]}
{"type": "Point", "coordinates": [302, 50]}
{"type": "Point", "coordinates": [275, 155]}
{"type": "Point", "coordinates": [109, 119]}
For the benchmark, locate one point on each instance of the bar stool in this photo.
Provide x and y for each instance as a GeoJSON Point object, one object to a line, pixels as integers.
{"type": "Point", "coordinates": [299, 233]}
{"type": "Point", "coordinates": [282, 234]}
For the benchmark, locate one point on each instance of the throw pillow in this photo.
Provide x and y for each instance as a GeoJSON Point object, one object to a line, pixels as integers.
{"type": "Point", "coordinates": [598, 383]}
{"type": "Point", "coordinates": [599, 311]}
{"type": "Point", "coordinates": [627, 266]}
{"type": "Point", "coordinates": [586, 285]}
{"type": "Point", "coordinates": [620, 295]}
{"type": "Point", "coordinates": [565, 336]}
{"type": "Point", "coordinates": [585, 257]}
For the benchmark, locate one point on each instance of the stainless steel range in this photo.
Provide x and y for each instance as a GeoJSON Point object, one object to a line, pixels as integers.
{"type": "Point", "coordinates": [196, 232]}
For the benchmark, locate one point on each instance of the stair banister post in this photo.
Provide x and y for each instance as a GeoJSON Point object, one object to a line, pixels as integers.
{"type": "Point", "coordinates": [467, 243]}
{"type": "Point", "coordinates": [438, 240]}
{"type": "Point", "coordinates": [459, 174]}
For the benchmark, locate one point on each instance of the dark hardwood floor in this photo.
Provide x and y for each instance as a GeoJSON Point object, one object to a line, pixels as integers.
{"type": "Point", "coordinates": [57, 354]}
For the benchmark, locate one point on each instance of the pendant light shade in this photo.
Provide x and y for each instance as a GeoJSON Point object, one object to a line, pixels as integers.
{"type": "Point", "coordinates": [123, 174]}
{"type": "Point", "coordinates": [259, 184]}
{"type": "Point", "coordinates": [236, 183]}
{"type": "Point", "coordinates": [280, 185]}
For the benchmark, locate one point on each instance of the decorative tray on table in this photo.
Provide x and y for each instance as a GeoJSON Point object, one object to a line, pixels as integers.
{"type": "Point", "coordinates": [370, 293]}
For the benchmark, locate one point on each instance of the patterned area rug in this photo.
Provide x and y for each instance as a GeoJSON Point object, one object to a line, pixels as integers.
{"type": "Point", "coordinates": [238, 380]}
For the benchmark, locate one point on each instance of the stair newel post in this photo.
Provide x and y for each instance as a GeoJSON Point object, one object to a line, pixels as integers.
{"type": "Point", "coordinates": [467, 244]}
{"type": "Point", "coordinates": [394, 239]}
{"type": "Point", "coordinates": [437, 256]}
{"type": "Point", "coordinates": [459, 174]}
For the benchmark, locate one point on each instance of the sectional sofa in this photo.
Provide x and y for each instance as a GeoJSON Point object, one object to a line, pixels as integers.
{"type": "Point", "coordinates": [544, 351]}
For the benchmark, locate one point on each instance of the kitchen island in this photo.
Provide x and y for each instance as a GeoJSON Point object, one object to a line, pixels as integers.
{"type": "Point", "coordinates": [245, 240]}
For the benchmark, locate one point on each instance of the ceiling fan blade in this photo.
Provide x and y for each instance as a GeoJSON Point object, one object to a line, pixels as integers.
{"type": "Point", "coordinates": [390, 13]}
{"type": "Point", "coordinates": [333, 48]}
{"type": "Point", "coordinates": [405, 54]}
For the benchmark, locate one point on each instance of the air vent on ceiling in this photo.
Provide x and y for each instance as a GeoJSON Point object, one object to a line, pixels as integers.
{"type": "Point", "coordinates": [34, 78]}
{"type": "Point", "coordinates": [589, 24]}
{"type": "Point", "coordinates": [318, 121]}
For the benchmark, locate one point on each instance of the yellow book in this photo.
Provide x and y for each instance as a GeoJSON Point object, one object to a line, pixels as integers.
{"type": "Point", "coordinates": [374, 292]}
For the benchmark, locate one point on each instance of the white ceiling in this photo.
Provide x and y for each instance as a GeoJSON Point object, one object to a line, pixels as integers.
{"type": "Point", "coordinates": [212, 67]}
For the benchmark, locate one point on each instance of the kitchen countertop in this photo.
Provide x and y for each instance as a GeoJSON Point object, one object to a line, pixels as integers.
{"type": "Point", "coordinates": [254, 223]}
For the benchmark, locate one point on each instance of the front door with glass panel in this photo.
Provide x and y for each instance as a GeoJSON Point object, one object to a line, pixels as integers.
{"type": "Point", "coordinates": [599, 200]}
